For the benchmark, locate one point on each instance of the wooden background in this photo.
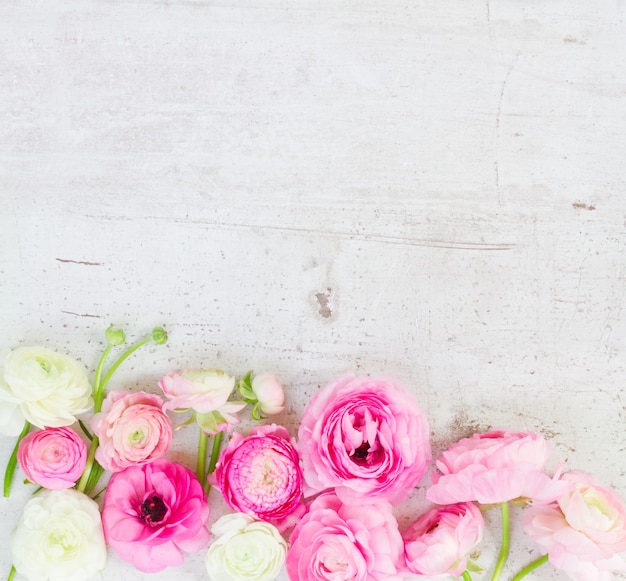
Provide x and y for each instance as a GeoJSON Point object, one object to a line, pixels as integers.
{"type": "Point", "coordinates": [431, 189]}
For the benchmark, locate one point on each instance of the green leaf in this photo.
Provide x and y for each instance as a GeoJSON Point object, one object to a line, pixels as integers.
{"type": "Point", "coordinates": [83, 427]}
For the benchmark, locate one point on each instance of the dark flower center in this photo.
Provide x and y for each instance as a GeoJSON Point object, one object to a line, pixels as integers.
{"type": "Point", "coordinates": [153, 510]}
{"type": "Point", "coordinates": [362, 451]}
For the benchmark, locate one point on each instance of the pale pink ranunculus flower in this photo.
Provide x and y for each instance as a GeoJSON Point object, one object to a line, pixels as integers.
{"type": "Point", "coordinates": [206, 392]}
{"type": "Point", "coordinates": [366, 437]}
{"type": "Point", "coordinates": [583, 531]}
{"type": "Point", "coordinates": [202, 390]}
{"type": "Point", "coordinates": [269, 392]}
{"type": "Point", "coordinates": [132, 428]}
{"type": "Point", "coordinates": [153, 513]}
{"type": "Point", "coordinates": [260, 475]}
{"type": "Point", "coordinates": [440, 541]}
{"type": "Point", "coordinates": [494, 467]}
{"type": "Point", "coordinates": [53, 457]}
{"type": "Point", "coordinates": [337, 542]}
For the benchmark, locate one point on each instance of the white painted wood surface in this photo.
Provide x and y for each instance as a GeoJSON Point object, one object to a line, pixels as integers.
{"type": "Point", "coordinates": [431, 189]}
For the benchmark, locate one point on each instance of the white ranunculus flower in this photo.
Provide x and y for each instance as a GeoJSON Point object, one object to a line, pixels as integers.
{"type": "Point", "coordinates": [245, 550]}
{"type": "Point", "coordinates": [269, 392]}
{"type": "Point", "coordinates": [59, 538]}
{"type": "Point", "coordinates": [44, 387]}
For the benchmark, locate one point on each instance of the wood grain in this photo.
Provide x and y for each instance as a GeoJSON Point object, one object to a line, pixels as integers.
{"type": "Point", "coordinates": [434, 190]}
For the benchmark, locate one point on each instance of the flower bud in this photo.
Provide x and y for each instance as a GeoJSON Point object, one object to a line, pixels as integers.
{"type": "Point", "coordinates": [269, 393]}
{"type": "Point", "coordinates": [159, 335]}
{"type": "Point", "coordinates": [115, 335]}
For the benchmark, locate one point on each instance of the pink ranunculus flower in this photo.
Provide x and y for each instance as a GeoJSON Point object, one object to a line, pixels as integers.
{"type": "Point", "coordinates": [339, 542]}
{"type": "Point", "coordinates": [154, 512]}
{"type": "Point", "coordinates": [441, 540]}
{"type": "Point", "coordinates": [132, 428]}
{"type": "Point", "coordinates": [206, 392]}
{"type": "Point", "coordinates": [260, 475]}
{"type": "Point", "coordinates": [53, 457]}
{"type": "Point", "coordinates": [269, 393]}
{"type": "Point", "coordinates": [366, 437]}
{"type": "Point", "coordinates": [494, 467]}
{"type": "Point", "coordinates": [583, 531]}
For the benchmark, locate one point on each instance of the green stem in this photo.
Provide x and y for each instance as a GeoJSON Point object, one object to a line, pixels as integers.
{"type": "Point", "coordinates": [121, 360]}
{"type": "Point", "coordinates": [466, 576]}
{"type": "Point", "coordinates": [12, 463]}
{"type": "Point", "coordinates": [215, 453]}
{"type": "Point", "coordinates": [504, 549]}
{"type": "Point", "coordinates": [82, 483]}
{"type": "Point", "coordinates": [201, 461]}
{"type": "Point", "coordinates": [530, 567]}
{"type": "Point", "coordinates": [98, 394]}
{"type": "Point", "coordinates": [11, 573]}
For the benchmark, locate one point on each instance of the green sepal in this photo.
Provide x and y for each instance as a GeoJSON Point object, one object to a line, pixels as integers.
{"type": "Point", "coordinates": [256, 412]}
{"type": "Point", "coordinates": [190, 420]}
{"type": "Point", "coordinates": [208, 422]}
{"type": "Point", "coordinates": [473, 567]}
{"type": "Point", "coordinates": [244, 387]}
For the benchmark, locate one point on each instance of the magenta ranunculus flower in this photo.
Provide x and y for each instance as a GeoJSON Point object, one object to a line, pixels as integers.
{"type": "Point", "coordinates": [441, 540]}
{"type": "Point", "coordinates": [366, 437]}
{"type": "Point", "coordinates": [154, 512]}
{"type": "Point", "coordinates": [337, 542]}
{"type": "Point", "coordinates": [584, 531]}
{"type": "Point", "coordinates": [53, 457]}
{"type": "Point", "coordinates": [495, 467]}
{"type": "Point", "coordinates": [260, 474]}
{"type": "Point", "coordinates": [132, 428]}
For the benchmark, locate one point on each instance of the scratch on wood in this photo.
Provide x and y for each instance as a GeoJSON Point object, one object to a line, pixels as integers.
{"type": "Point", "coordinates": [68, 260]}
{"type": "Point", "coordinates": [81, 314]}
{"type": "Point", "coordinates": [583, 206]}
{"type": "Point", "coordinates": [376, 238]}
{"type": "Point", "coordinates": [496, 163]}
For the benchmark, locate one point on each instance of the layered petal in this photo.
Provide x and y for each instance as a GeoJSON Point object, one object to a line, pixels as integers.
{"type": "Point", "coordinates": [495, 467]}
{"type": "Point", "coordinates": [53, 458]}
{"type": "Point", "coordinates": [132, 428]}
{"type": "Point", "coordinates": [59, 538]}
{"type": "Point", "coordinates": [154, 512]}
{"type": "Point", "coordinates": [366, 437]}
{"type": "Point", "coordinates": [583, 531]}
{"type": "Point", "coordinates": [338, 542]}
{"type": "Point", "coordinates": [260, 474]}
